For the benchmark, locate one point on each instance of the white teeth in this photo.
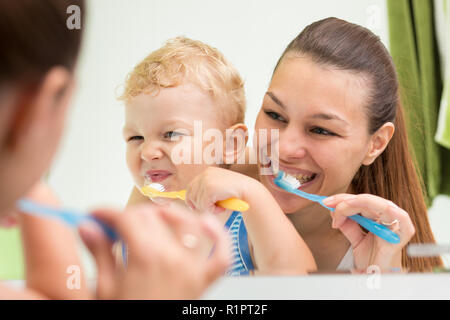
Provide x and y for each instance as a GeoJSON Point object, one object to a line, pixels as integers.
{"type": "Point", "coordinates": [274, 168]}
{"type": "Point", "coordinates": [157, 186]}
{"type": "Point", "coordinates": [303, 178]}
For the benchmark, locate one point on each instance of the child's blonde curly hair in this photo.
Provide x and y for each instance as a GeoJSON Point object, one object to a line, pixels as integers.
{"type": "Point", "coordinates": [182, 59]}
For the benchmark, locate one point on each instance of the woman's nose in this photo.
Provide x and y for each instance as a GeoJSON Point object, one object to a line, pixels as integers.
{"type": "Point", "coordinates": [151, 151]}
{"type": "Point", "coordinates": [291, 144]}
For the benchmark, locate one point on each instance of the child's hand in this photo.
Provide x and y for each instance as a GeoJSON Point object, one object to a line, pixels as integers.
{"type": "Point", "coordinates": [163, 260]}
{"type": "Point", "coordinates": [276, 246]}
{"type": "Point", "coordinates": [215, 184]}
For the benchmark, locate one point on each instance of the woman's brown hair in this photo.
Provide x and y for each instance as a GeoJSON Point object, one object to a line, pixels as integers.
{"type": "Point", "coordinates": [35, 37]}
{"type": "Point", "coordinates": [393, 175]}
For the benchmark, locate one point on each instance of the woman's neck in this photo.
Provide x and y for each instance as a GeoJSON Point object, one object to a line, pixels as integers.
{"type": "Point", "coordinates": [311, 220]}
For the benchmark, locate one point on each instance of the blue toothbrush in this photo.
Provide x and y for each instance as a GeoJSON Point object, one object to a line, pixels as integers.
{"type": "Point", "coordinates": [291, 184]}
{"type": "Point", "coordinates": [70, 217]}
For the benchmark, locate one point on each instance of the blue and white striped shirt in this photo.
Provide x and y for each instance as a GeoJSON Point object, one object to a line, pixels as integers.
{"type": "Point", "coordinates": [241, 259]}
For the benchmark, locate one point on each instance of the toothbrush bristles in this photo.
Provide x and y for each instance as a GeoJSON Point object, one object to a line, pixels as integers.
{"type": "Point", "coordinates": [157, 186]}
{"type": "Point", "coordinates": [292, 181]}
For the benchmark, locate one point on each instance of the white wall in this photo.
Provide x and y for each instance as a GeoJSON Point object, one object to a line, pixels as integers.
{"type": "Point", "coordinates": [90, 168]}
{"type": "Point", "coordinates": [439, 215]}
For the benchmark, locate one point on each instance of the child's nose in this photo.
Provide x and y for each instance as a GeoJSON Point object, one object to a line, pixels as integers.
{"type": "Point", "coordinates": [151, 151]}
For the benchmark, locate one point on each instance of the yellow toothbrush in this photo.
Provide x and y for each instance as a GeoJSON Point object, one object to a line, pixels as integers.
{"type": "Point", "coordinates": [156, 190]}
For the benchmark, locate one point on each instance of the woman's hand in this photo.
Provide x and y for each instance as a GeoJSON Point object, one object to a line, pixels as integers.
{"type": "Point", "coordinates": [215, 184]}
{"type": "Point", "coordinates": [40, 193]}
{"type": "Point", "coordinates": [8, 221]}
{"type": "Point", "coordinates": [369, 249]}
{"type": "Point", "coordinates": [50, 248]}
{"type": "Point", "coordinates": [163, 259]}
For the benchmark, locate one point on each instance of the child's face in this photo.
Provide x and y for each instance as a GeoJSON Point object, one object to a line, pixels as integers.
{"type": "Point", "coordinates": [152, 122]}
{"type": "Point", "coordinates": [323, 128]}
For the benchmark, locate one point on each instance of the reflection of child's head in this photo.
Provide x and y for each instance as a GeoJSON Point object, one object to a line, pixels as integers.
{"type": "Point", "coordinates": [183, 83]}
{"type": "Point", "coordinates": [183, 60]}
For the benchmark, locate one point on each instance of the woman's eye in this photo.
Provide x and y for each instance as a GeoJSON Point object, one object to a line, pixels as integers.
{"type": "Point", "coordinates": [133, 138]}
{"type": "Point", "coordinates": [172, 134]}
{"type": "Point", "coordinates": [275, 116]}
{"type": "Point", "coordinates": [321, 131]}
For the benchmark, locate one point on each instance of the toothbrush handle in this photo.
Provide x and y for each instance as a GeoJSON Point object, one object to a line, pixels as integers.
{"type": "Point", "coordinates": [70, 217]}
{"type": "Point", "coordinates": [376, 228]}
{"type": "Point", "coordinates": [234, 204]}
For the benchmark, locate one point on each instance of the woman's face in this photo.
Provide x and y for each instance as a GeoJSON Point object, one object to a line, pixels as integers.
{"type": "Point", "coordinates": [37, 139]}
{"type": "Point", "coordinates": [323, 128]}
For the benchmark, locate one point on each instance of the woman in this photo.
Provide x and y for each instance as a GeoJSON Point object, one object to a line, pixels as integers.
{"type": "Point", "coordinates": [36, 85]}
{"type": "Point", "coordinates": [334, 99]}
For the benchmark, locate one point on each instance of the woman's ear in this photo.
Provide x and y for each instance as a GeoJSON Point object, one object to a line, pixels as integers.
{"type": "Point", "coordinates": [235, 141]}
{"type": "Point", "coordinates": [55, 93]}
{"type": "Point", "coordinates": [41, 106]}
{"type": "Point", "coordinates": [378, 142]}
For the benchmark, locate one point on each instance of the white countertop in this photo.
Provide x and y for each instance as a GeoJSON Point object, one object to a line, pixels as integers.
{"type": "Point", "coordinates": [342, 286]}
{"type": "Point", "coordinates": [347, 286]}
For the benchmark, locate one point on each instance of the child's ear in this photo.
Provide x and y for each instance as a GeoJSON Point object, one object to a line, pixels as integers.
{"type": "Point", "coordinates": [378, 142]}
{"type": "Point", "coordinates": [235, 141]}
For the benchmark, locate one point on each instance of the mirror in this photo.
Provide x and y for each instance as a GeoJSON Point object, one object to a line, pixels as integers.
{"type": "Point", "coordinates": [90, 168]}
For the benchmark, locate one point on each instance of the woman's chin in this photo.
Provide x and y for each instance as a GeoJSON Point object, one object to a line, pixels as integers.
{"type": "Point", "coordinates": [290, 204]}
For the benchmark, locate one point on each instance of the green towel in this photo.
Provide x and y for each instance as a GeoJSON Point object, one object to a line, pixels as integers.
{"type": "Point", "coordinates": [414, 51]}
{"type": "Point", "coordinates": [443, 132]}
{"type": "Point", "coordinates": [11, 258]}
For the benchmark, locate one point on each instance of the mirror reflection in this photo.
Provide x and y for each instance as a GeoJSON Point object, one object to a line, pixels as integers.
{"type": "Point", "coordinates": [252, 138]}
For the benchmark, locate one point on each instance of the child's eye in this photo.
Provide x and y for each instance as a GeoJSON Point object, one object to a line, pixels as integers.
{"type": "Point", "coordinates": [135, 138]}
{"type": "Point", "coordinates": [172, 134]}
{"type": "Point", "coordinates": [321, 131]}
{"type": "Point", "coordinates": [275, 116]}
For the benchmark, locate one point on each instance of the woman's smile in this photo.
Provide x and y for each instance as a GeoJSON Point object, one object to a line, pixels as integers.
{"type": "Point", "coordinates": [306, 178]}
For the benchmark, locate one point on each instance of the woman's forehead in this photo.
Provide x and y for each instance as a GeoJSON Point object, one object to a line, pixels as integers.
{"type": "Point", "coordinates": [300, 82]}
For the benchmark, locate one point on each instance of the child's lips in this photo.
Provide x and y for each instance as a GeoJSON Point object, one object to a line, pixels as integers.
{"type": "Point", "coordinates": [157, 175]}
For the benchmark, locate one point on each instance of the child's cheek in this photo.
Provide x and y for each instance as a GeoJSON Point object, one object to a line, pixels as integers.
{"type": "Point", "coordinates": [134, 164]}
{"type": "Point", "coordinates": [187, 172]}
